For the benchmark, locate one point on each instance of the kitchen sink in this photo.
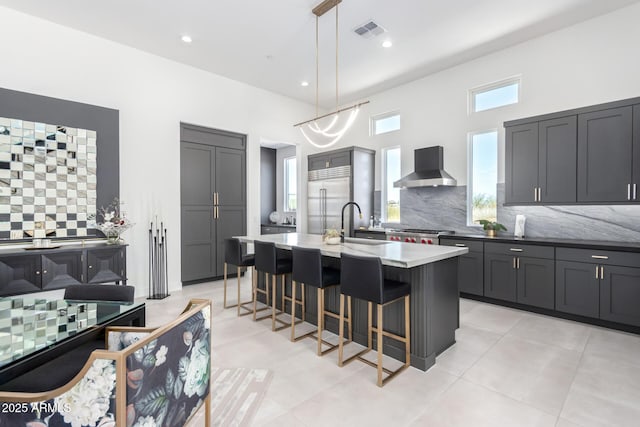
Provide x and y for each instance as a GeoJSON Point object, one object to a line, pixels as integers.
{"type": "Point", "coordinates": [365, 242]}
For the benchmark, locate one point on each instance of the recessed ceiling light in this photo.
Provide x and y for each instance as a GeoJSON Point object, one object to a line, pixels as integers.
{"type": "Point", "coordinates": [387, 43]}
{"type": "Point", "coordinates": [305, 84]}
{"type": "Point", "coordinates": [186, 39]}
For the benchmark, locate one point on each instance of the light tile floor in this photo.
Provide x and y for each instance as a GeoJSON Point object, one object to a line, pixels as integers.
{"type": "Point", "coordinates": [507, 368]}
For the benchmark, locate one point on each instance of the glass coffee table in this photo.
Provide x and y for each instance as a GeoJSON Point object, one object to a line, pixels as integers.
{"type": "Point", "coordinates": [35, 331]}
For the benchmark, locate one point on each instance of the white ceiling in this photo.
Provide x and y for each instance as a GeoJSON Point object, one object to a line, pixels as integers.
{"type": "Point", "coordinates": [271, 44]}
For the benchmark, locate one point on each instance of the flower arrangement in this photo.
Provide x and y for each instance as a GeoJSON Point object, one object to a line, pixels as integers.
{"type": "Point", "coordinates": [114, 222]}
{"type": "Point", "coordinates": [331, 236]}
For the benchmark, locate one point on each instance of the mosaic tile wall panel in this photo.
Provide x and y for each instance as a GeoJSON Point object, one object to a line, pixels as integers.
{"type": "Point", "coordinates": [47, 179]}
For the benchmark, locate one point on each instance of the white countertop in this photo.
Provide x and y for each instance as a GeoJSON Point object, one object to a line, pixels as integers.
{"type": "Point", "coordinates": [397, 254]}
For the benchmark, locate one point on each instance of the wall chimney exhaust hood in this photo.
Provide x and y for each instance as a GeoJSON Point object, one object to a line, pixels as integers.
{"type": "Point", "coordinates": [428, 169]}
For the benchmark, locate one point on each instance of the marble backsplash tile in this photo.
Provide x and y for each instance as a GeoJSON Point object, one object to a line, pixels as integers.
{"type": "Point", "coordinates": [445, 208]}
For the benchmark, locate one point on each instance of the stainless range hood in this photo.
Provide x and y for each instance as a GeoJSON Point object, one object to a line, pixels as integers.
{"type": "Point", "coordinates": [428, 169]}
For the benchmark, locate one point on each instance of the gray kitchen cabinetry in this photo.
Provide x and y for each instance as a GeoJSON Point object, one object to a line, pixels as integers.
{"type": "Point", "coordinates": [470, 266]}
{"type": "Point", "coordinates": [605, 148]}
{"type": "Point", "coordinates": [519, 273]}
{"type": "Point", "coordinates": [329, 160]}
{"type": "Point", "coordinates": [213, 198]}
{"type": "Point", "coordinates": [24, 271]}
{"type": "Point", "coordinates": [540, 161]}
{"type": "Point", "coordinates": [372, 235]}
{"type": "Point", "coordinates": [599, 284]}
{"type": "Point", "coordinates": [276, 229]}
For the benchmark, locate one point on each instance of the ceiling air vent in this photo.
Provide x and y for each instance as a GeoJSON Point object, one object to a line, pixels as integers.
{"type": "Point", "coordinates": [369, 30]}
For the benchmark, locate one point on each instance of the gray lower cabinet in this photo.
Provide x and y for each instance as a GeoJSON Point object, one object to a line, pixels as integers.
{"type": "Point", "coordinates": [599, 284]}
{"type": "Point", "coordinates": [520, 273]}
{"type": "Point", "coordinates": [19, 274]}
{"type": "Point", "coordinates": [577, 288]}
{"type": "Point", "coordinates": [24, 272]}
{"type": "Point", "coordinates": [470, 266]}
{"type": "Point", "coordinates": [620, 294]}
{"type": "Point", "coordinates": [60, 270]}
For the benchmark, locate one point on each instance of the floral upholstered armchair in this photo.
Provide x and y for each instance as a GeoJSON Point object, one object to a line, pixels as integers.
{"type": "Point", "coordinates": [146, 378]}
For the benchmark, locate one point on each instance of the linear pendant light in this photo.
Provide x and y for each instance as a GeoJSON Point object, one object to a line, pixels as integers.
{"type": "Point", "coordinates": [318, 135]}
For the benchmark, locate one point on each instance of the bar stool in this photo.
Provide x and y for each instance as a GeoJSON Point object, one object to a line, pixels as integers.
{"type": "Point", "coordinates": [270, 263]}
{"type": "Point", "coordinates": [308, 270]}
{"type": "Point", "coordinates": [362, 278]}
{"type": "Point", "coordinates": [235, 254]}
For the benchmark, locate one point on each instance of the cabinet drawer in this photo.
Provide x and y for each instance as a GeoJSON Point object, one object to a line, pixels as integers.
{"type": "Point", "coordinates": [516, 249]}
{"type": "Point", "coordinates": [373, 235]}
{"type": "Point", "coordinates": [627, 259]}
{"type": "Point", "coordinates": [474, 246]}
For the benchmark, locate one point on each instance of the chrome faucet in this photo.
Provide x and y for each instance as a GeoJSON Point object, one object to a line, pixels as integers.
{"type": "Point", "coordinates": [343, 207]}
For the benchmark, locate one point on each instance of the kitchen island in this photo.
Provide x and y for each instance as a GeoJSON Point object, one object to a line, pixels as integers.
{"type": "Point", "coordinates": [430, 269]}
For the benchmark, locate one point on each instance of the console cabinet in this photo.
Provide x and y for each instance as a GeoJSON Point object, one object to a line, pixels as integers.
{"type": "Point", "coordinates": [23, 271]}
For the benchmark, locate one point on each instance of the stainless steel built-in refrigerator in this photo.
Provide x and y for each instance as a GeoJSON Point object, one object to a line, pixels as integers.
{"type": "Point", "coordinates": [328, 190]}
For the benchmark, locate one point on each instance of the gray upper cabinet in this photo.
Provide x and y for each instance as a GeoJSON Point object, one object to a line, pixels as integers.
{"type": "Point", "coordinates": [213, 198]}
{"type": "Point", "coordinates": [605, 149]}
{"type": "Point", "coordinates": [521, 169]}
{"type": "Point", "coordinates": [586, 155]}
{"type": "Point", "coordinates": [329, 160]}
{"type": "Point", "coordinates": [557, 168]}
{"type": "Point", "coordinates": [540, 161]}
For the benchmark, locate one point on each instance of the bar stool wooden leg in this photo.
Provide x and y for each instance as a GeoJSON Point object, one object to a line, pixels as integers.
{"type": "Point", "coordinates": [303, 302]}
{"type": "Point", "coordinates": [273, 302]}
{"type": "Point", "coordinates": [224, 299]}
{"type": "Point", "coordinates": [238, 304]}
{"type": "Point", "coordinates": [407, 332]}
{"type": "Point", "coordinates": [293, 310]}
{"type": "Point", "coordinates": [283, 286]}
{"type": "Point", "coordinates": [370, 325]}
{"type": "Point", "coordinates": [320, 294]}
{"type": "Point", "coordinates": [349, 324]}
{"type": "Point", "coordinates": [341, 327]}
{"type": "Point", "coordinates": [380, 338]}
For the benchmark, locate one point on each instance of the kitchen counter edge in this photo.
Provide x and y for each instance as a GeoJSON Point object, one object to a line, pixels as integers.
{"type": "Point", "coordinates": [551, 241]}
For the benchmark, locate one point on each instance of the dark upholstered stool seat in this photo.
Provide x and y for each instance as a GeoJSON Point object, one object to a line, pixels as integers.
{"type": "Point", "coordinates": [100, 292]}
{"type": "Point", "coordinates": [363, 278]}
{"type": "Point", "coordinates": [235, 253]}
{"type": "Point", "coordinates": [308, 270]}
{"type": "Point", "coordinates": [275, 262]}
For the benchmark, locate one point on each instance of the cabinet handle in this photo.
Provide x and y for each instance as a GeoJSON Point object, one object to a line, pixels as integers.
{"type": "Point", "coordinates": [514, 263]}
{"type": "Point", "coordinates": [628, 191]}
{"type": "Point", "coordinates": [326, 164]}
{"type": "Point", "coordinates": [217, 213]}
{"type": "Point", "coordinates": [535, 194]}
{"type": "Point", "coordinates": [90, 267]}
{"type": "Point", "coordinates": [37, 273]}
{"type": "Point", "coordinates": [601, 272]}
{"type": "Point", "coordinates": [518, 263]}
{"type": "Point", "coordinates": [516, 249]}
{"type": "Point", "coordinates": [461, 245]}
{"type": "Point", "coordinates": [599, 257]}
{"type": "Point", "coordinates": [597, 272]}
{"type": "Point", "coordinates": [539, 195]}
{"type": "Point", "coordinates": [634, 191]}
{"type": "Point", "coordinates": [44, 272]}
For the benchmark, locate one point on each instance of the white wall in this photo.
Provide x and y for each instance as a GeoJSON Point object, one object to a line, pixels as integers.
{"type": "Point", "coordinates": [153, 95]}
{"type": "Point", "coordinates": [592, 62]}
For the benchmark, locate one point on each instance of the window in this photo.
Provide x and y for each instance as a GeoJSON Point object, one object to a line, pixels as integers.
{"type": "Point", "coordinates": [495, 95]}
{"type": "Point", "coordinates": [290, 184]}
{"type": "Point", "coordinates": [390, 194]}
{"type": "Point", "coordinates": [383, 123]}
{"type": "Point", "coordinates": [483, 177]}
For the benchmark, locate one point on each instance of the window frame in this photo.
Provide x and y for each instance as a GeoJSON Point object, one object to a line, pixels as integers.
{"type": "Point", "coordinates": [383, 180]}
{"type": "Point", "coordinates": [375, 118]}
{"type": "Point", "coordinates": [493, 86]}
{"type": "Point", "coordinates": [286, 183]}
{"type": "Point", "coordinates": [470, 136]}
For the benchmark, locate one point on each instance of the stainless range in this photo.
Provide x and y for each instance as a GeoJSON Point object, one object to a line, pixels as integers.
{"type": "Point", "coordinates": [416, 235]}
